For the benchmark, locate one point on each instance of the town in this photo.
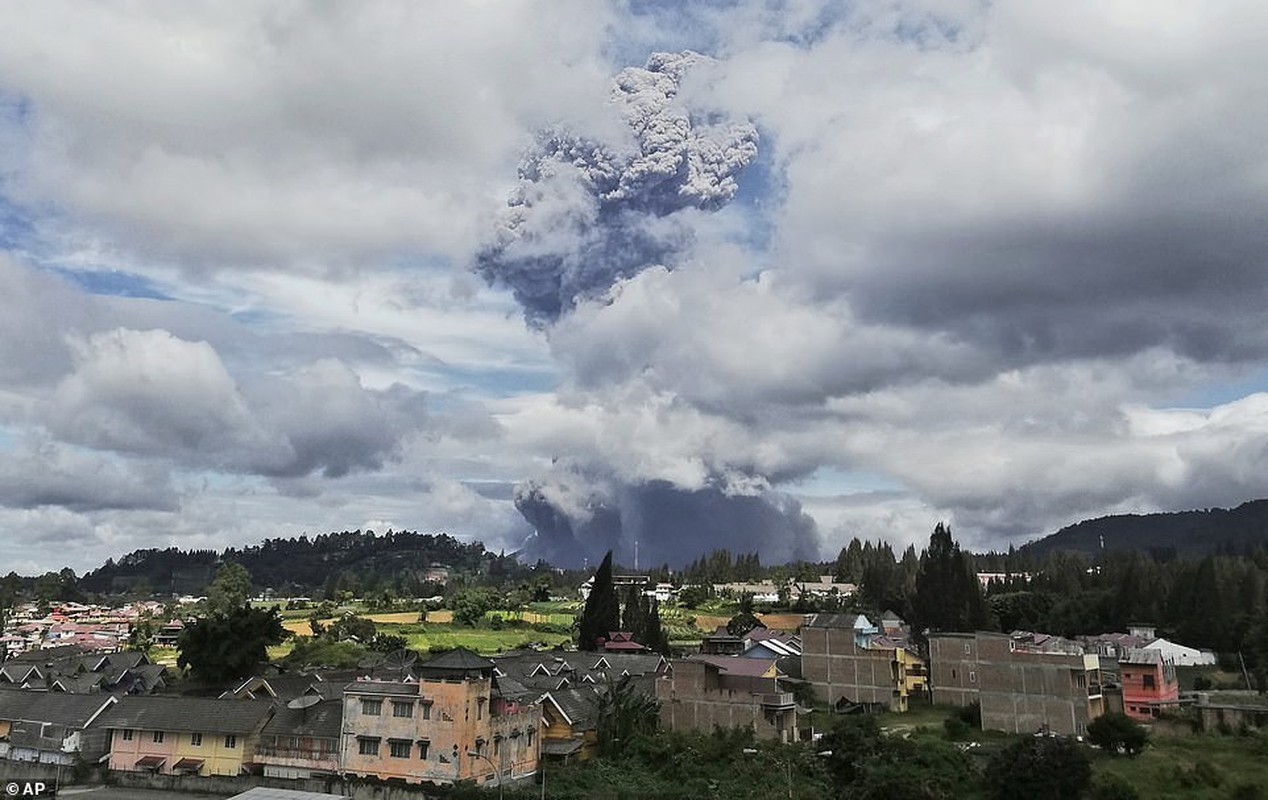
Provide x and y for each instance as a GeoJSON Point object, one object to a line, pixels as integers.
{"type": "Point", "coordinates": [90, 693]}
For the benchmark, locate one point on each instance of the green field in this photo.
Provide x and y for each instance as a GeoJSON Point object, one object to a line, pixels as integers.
{"type": "Point", "coordinates": [1196, 767]}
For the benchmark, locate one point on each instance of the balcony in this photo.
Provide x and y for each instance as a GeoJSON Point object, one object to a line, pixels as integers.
{"type": "Point", "coordinates": [302, 757]}
{"type": "Point", "coordinates": [1094, 690]}
{"type": "Point", "coordinates": [778, 700]}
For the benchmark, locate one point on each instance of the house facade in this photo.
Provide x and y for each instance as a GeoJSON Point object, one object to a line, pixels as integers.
{"type": "Point", "coordinates": [51, 728]}
{"type": "Point", "coordinates": [1149, 683]}
{"type": "Point", "coordinates": [1022, 687]}
{"type": "Point", "coordinates": [302, 739]}
{"type": "Point", "coordinates": [449, 725]}
{"type": "Point", "coordinates": [184, 735]}
{"type": "Point", "coordinates": [702, 693]}
{"type": "Point", "coordinates": [849, 664]}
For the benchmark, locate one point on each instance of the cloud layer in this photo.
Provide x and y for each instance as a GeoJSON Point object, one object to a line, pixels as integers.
{"type": "Point", "coordinates": [853, 270]}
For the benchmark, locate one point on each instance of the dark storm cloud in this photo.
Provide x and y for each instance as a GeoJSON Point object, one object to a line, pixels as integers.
{"type": "Point", "coordinates": [589, 212]}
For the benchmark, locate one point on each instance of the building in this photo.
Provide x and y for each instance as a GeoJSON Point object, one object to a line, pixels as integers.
{"type": "Point", "coordinates": [701, 693]}
{"type": "Point", "coordinates": [302, 739]}
{"type": "Point", "coordinates": [1182, 656]}
{"type": "Point", "coordinates": [51, 728]}
{"type": "Point", "coordinates": [850, 665]}
{"type": "Point", "coordinates": [450, 724]}
{"type": "Point", "coordinates": [1022, 688]}
{"type": "Point", "coordinates": [1148, 681]}
{"type": "Point", "coordinates": [570, 719]}
{"type": "Point", "coordinates": [184, 735]}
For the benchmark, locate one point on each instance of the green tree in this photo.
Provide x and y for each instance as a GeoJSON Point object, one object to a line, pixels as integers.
{"type": "Point", "coordinates": [230, 589]}
{"type": "Point", "coordinates": [947, 595]}
{"type": "Point", "coordinates": [602, 612]}
{"type": "Point", "coordinates": [1115, 733]}
{"type": "Point", "coordinates": [1038, 768]}
{"type": "Point", "coordinates": [470, 605]}
{"type": "Point", "coordinates": [351, 627]}
{"type": "Point", "coordinates": [226, 647]}
{"type": "Point", "coordinates": [625, 714]}
{"type": "Point", "coordinates": [744, 620]}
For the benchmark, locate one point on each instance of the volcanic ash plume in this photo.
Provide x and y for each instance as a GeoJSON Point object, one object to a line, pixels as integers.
{"type": "Point", "coordinates": [672, 525]}
{"type": "Point", "coordinates": [587, 213]}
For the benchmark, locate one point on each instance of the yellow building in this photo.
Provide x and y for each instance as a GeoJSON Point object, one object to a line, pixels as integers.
{"type": "Point", "coordinates": [570, 724]}
{"type": "Point", "coordinates": [184, 735]}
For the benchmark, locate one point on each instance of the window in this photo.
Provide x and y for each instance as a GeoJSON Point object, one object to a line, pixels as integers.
{"type": "Point", "coordinates": [427, 710]}
{"type": "Point", "coordinates": [497, 745]}
{"type": "Point", "coordinates": [530, 739]}
{"type": "Point", "coordinates": [127, 735]}
{"type": "Point", "coordinates": [968, 648]}
{"type": "Point", "coordinates": [972, 676]}
{"type": "Point", "coordinates": [1149, 681]}
{"type": "Point", "coordinates": [479, 708]}
{"type": "Point", "coordinates": [400, 709]}
{"type": "Point", "coordinates": [398, 749]}
{"type": "Point", "coordinates": [231, 741]}
{"type": "Point", "coordinates": [372, 707]}
{"type": "Point", "coordinates": [423, 744]}
{"type": "Point", "coordinates": [158, 737]}
{"type": "Point", "coordinates": [367, 747]}
{"type": "Point", "coordinates": [196, 739]}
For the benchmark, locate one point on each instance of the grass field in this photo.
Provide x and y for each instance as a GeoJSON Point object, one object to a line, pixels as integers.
{"type": "Point", "coordinates": [1199, 767]}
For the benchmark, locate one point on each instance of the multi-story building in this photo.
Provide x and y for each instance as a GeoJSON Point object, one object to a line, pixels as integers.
{"type": "Point", "coordinates": [1022, 688]}
{"type": "Point", "coordinates": [1149, 683]}
{"type": "Point", "coordinates": [184, 735]}
{"type": "Point", "coordinates": [302, 739]}
{"type": "Point", "coordinates": [850, 664]}
{"type": "Point", "coordinates": [450, 724]}
{"type": "Point", "coordinates": [51, 728]}
{"type": "Point", "coordinates": [701, 693]}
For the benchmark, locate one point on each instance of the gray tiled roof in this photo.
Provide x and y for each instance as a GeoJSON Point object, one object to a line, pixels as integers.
{"type": "Point", "coordinates": [73, 710]}
{"type": "Point", "coordinates": [164, 713]}
{"type": "Point", "coordinates": [322, 720]}
{"type": "Point", "coordinates": [581, 706]}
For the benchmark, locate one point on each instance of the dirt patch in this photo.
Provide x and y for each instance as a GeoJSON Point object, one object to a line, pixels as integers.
{"type": "Point", "coordinates": [782, 622]}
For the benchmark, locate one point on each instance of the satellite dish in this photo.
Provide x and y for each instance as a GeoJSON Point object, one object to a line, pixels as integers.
{"type": "Point", "coordinates": [304, 701]}
{"type": "Point", "coordinates": [400, 660]}
{"type": "Point", "coordinates": [372, 661]}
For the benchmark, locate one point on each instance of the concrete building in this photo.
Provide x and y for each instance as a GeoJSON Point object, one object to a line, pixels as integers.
{"type": "Point", "coordinates": [1022, 689]}
{"type": "Point", "coordinates": [701, 693]}
{"type": "Point", "coordinates": [184, 735]}
{"type": "Point", "coordinates": [1149, 684]}
{"type": "Point", "coordinates": [850, 665]}
{"type": "Point", "coordinates": [449, 725]}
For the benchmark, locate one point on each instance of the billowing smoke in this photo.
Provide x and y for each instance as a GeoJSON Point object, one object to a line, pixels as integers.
{"type": "Point", "coordinates": [671, 525]}
{"type": "Point", "coordinates": [587, 213]}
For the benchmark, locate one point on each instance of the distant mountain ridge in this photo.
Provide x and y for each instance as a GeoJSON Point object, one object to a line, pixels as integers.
{"type": "Point", "coordinates": [1182, 534]}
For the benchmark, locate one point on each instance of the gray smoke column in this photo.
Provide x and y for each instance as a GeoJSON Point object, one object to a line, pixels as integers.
{"type": "Point", "coordinates": [588, 213]}
{"type": "Point", "coordinates": [672, 525]}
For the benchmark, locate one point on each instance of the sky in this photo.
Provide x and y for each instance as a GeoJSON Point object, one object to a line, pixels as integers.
{"type": "Point", "coordinates": [563, 276]}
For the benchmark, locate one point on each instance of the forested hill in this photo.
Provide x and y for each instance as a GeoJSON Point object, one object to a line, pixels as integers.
{"type": "Point", "coordinates": [356, 561]}
{"type": "Point", "coordinates": [1183, 534]}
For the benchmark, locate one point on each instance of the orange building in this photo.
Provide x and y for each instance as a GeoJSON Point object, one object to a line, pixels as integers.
{"type": "Point", "coordinates": [1149, 683]}
{"type": "Point", "coordinates": [450, 724]}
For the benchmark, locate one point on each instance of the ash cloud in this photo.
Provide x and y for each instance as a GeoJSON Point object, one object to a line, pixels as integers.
{"type": "Point", "coordinates": [589, 212]}
{"type": "Point", "coordinates": [672, 525]}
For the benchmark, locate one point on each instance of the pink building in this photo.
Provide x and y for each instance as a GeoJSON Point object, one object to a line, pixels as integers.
{"type": "Point", "coordinates": [1149, 683]}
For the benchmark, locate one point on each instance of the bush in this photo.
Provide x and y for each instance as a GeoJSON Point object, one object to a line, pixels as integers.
{"type": "Point", "coordinates": [955, 728]}
{"type": "Point", "coordinates": [1038, 768]}
{"type": "Point", "coordinates": [1117, 733]}
{"type": "Point", "coordinates": [1112, 787]}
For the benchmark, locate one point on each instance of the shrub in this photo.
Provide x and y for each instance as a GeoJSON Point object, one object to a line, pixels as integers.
{"type": "Point", "coordinates": [1112, 787]}
{"type": "Point", "coordinates": [1117, 733]}
{"type": "Point", "coordinates": [1038, 768]}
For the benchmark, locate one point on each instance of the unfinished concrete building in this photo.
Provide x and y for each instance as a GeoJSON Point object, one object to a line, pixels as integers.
{"type": "Point", "coordinates": [850, 665]}
{"type": "Point", "coordinates": [1023, 687]}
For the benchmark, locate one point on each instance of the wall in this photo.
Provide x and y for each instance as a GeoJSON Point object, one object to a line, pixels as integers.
{"type": "Point", "coordinates": [839, 669]}
{"type": "Point", "coordinates": [691, 701]}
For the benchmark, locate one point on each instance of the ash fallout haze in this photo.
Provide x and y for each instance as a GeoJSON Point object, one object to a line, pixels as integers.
{"type": "Point", "coordinates": [561, 276]}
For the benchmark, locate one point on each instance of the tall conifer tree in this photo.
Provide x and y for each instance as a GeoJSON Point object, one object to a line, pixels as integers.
{"type": "Point", "coordinates": [602, 612]}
